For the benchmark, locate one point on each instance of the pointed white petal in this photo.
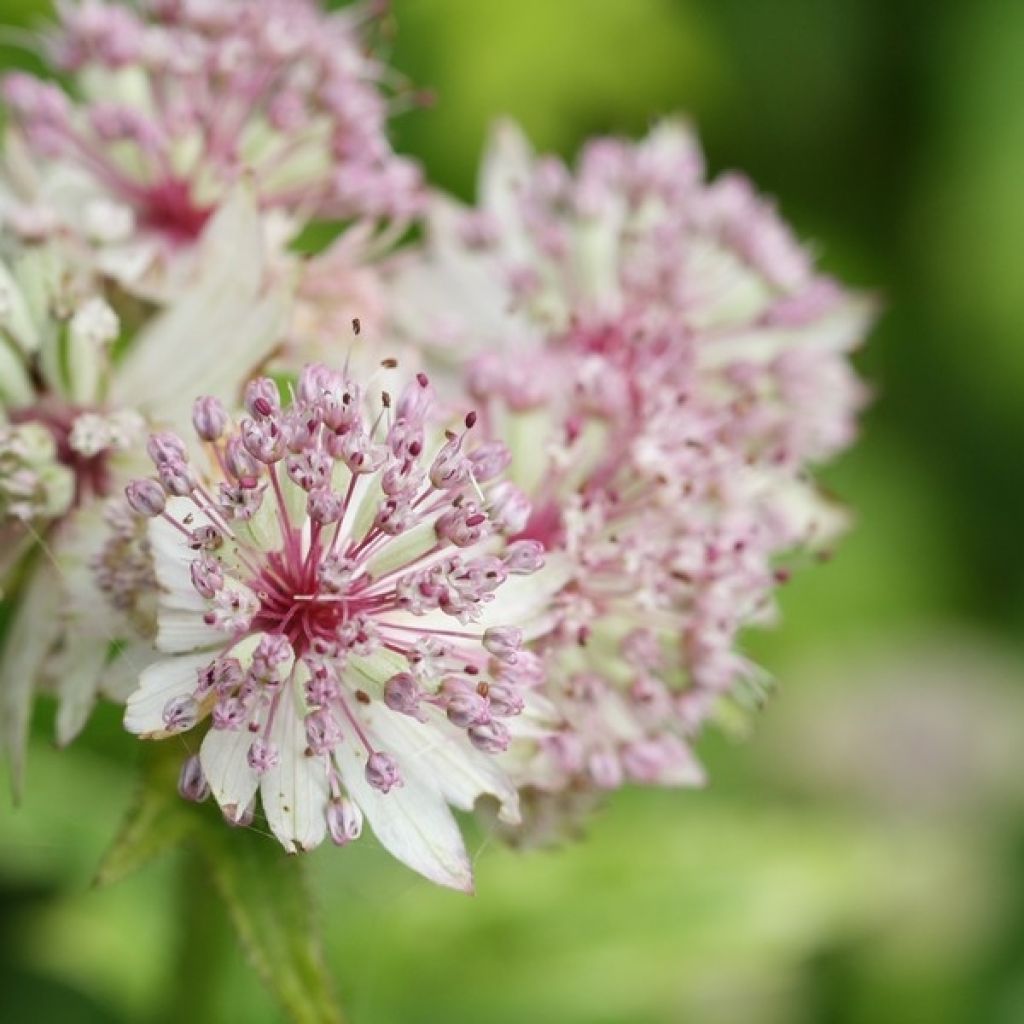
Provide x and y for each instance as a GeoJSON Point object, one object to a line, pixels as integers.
{"type": "Point", "coordinates": [295, 793]}
{"type": "Point", "coordinates": [30, 635]}
{"type": "Point", "coordinates": [443, 755]}
{"type": "Point", "coordinates": [77, 671]}
{"type": "Point", "coordinates": [412, 822]}
{"type": "Point", "coordinates": [224, 757]}
{"type": "Point", "coordinates": [159, 683]}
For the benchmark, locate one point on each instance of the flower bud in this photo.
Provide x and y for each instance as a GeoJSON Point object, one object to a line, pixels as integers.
{"type": "Point", "coordinates": [210, 418]}
{"type": "Point", "coordinates": [510, 508]}
{"type": "Point", "coordinates": [503, 641]}
{"type": "Point", "coordinates": [490, 737]}
{"type": "Point", "coordinates": [344, 821]}
{"type": "Point", "coordinates": [382, 772]}
{"type": "Point", "coordinates": [240, 464]}
{"type": "Point", "coordinates": [524, 557]}
{"type": "Point", "coordinates": [263, 756]}
{"type": "Point", "coordinates": [323, 733]}
{"type": "Point", "coordinates": [192, 784]}
{"type": "Point", "coordinates": [489, 460]}
{"type": "Point", "coordinates": [165, 446]}
{"type": "Point", "coordinates": [180, 713]}
{"type": "Point", "coordinates": [146, 497]}
{"type": "Point", "coordinates": [262, 398]}
{"type": "Point", "coordinates": [403, 694]}
{"type": "Point", "coordinates": [324, 506]}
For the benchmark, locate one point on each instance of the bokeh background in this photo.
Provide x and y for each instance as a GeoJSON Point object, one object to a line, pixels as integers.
{"type": "Point", "coordinates": [858, 858]}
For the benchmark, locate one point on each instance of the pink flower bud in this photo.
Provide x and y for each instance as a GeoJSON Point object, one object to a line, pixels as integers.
{"type": "Point", "coordinates": [146, 497]}
{"type": "Point", "coordinates": [165, 446]}
{"type": "Point", "coordinates": [263, 756]}
{"type": "Point", "coordinates": [192, 784]}
{"type": "Point", "coordinates": [263, 440]}
{"type": "Point", "coordinates": [403, 694]}
{"type": "Point", "coordinates": [382, 771]}
{"type": "Point", "coordinates": [240, 464]}
{"type": "Point", "coordinates": [210, 418]}
{"type": "Point", "coordinates": [325, 506]}
{"type": "Point", "coordinates": [506, 701]}
{"type": "Point", "coordinates": [524, 557]}
{"type": "Point", "coordinates": [180, 713]}
{"type": "Point", "coordinates": [344, 821]}
{"type": "Point", "coordinates": [207, 576]}
{"type": "Point", "coordinates": [463, 525]}
{"type": "Point", "coordinates": [323, 733]}
{"type": "Point", "coordinates": [262, 398]}
{"type": "Point", "coordinates": [491, 737]}
{"type": "Point", "coordinates": [510, 508]}
{"type": "Point", "coordinates": [489, 460]}
{"type": "Point", "coordinates": [503, 641]}
{"type": "Point", "coordinates": [177, 477]}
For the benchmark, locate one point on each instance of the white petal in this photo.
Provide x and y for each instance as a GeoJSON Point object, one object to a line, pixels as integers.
{"type": "Point", "coordinates": [30, 635]}
{"type": "Point", "coordinates": [226, 311]}
{"type": "Point", "coordinates": [412, 822]}
{"type": "Point", "coordinates": [77, 671]}
{"type": "Point", "coordinates": [439, 753]}
{"type": "Point", "coordinates": [295, 793]}
{"type": "Point", "coordinates": [172, 557]}
{"type": "Point", "coordinates": [224, 757]}
{"type": "Point", "coordinates": [159, 683]}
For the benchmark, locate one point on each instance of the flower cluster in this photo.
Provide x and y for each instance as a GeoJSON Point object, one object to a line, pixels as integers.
{"type": "Point", "coordinates": [665, 364]}
{"type": "Point", "coordinates": [349, 606]}
{"type": "Point", "coordinates": [344, 609]}
{"type": "Point", "coordinates": [175, 103]}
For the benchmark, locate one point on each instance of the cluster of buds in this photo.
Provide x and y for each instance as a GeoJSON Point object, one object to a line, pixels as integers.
{"type": "Point", "coordinates": [332, 595]}
{"type": "Point", "coordinates": [654, 340]}
{"type": "Point", "coordinates": [176, 102]}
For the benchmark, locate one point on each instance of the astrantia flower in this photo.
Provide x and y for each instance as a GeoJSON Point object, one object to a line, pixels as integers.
{"type": "Point", "coordinates": [73, 412]}
{"type": "Point", "coordinates": [174, 104]}
{"type": "Point", "coordinates": [343, 615]}
{"type": "Point", "coordinates": [665, 363]}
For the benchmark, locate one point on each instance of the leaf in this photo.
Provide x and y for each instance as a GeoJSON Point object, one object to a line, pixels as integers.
{"type": "Point", "coordinates": [265, 894]}
{"type": "Point", "coordinates": [158, 821]}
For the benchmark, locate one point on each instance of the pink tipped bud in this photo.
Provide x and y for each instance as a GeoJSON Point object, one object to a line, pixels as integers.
{"type": "Point", "coordinates": [262, 398]}
{"type": "Point", "coordinates": [489, 460]}
{"type": "Point", "coordinates": [344, 821]}
{"type": "Point", "coordinates": [415, 400]}
{"type": "Point", "coordinates": [192, 784]}
{"type": "Point", "coordinates": [524, 557]}
{"type": "Point", "coordinates": [146, 497]}
{"type": "Point", "coordinates": [240, 819]}
{"type": "Point", "coordinates": [177, 477]}
{"type": "Point", "coordinates": [382, 771]}
{"type": "Point", "coordinates": [450, 467]}
{"type": "Point", "coordinates": [210, 418]}
{"type": "Point", "coordinates": [263, 440]}
{"type": "Point", "coordinates": [463, 525]}
{"type": "Point", "coordinates": [263, 756]}
{"type": "Point", "coordinates": [403, 694]}
{"type": "Point", "coordinates": [240, 464]}
{"type": "Point", "coordinates": [465, 707]}
{"type": "Point", "coordinates": [506, 701]}
{"type": "Point", "coordinates": [491, 737]}
{"type": "Point", "coordinates": [166, 447]}
{"type": "Point", "coordinates": [323, 733]}
{"type": "Point", "coordinates": [605, 769]}
{"type": "Point", "coordinates": [207, 576]}
{"type": "Point", "coordinates": [180, 713]}
{"type": "Point", "coordinates": [510, 508]}
{"type": "Point", "coordinates": [324, 506]}
{"type": "Point", "coordinates": [503, 642]}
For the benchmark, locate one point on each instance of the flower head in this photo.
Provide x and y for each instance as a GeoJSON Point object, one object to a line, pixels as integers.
{"type": "Point", "coordinates": [78, 391]}
{"type": "Point", "coordinates": [173, 104]}
{"type": "Point", "coordinates": [341, 606]}
{"type": "Point", "coordinates": [666, 363]}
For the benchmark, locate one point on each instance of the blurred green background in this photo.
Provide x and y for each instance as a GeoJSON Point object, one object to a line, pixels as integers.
{"type": "Point", "coordinates": [861, 857]}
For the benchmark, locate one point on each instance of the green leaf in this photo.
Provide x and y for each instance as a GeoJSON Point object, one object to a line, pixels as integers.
{"type": "Point", "coordinates": [265, 894]}
{"type": "Point", "coordinates": [157, 821]}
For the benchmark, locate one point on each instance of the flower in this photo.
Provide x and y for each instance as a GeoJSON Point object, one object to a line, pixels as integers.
{"type": "Point", "coordinates": [77, 391]}
{"type": "Point", "coordinates": [171, 106]}
{"type": "Point", "coordinates": [666, 365]}
{"type": "Point", "coordinates": [343, 615]}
